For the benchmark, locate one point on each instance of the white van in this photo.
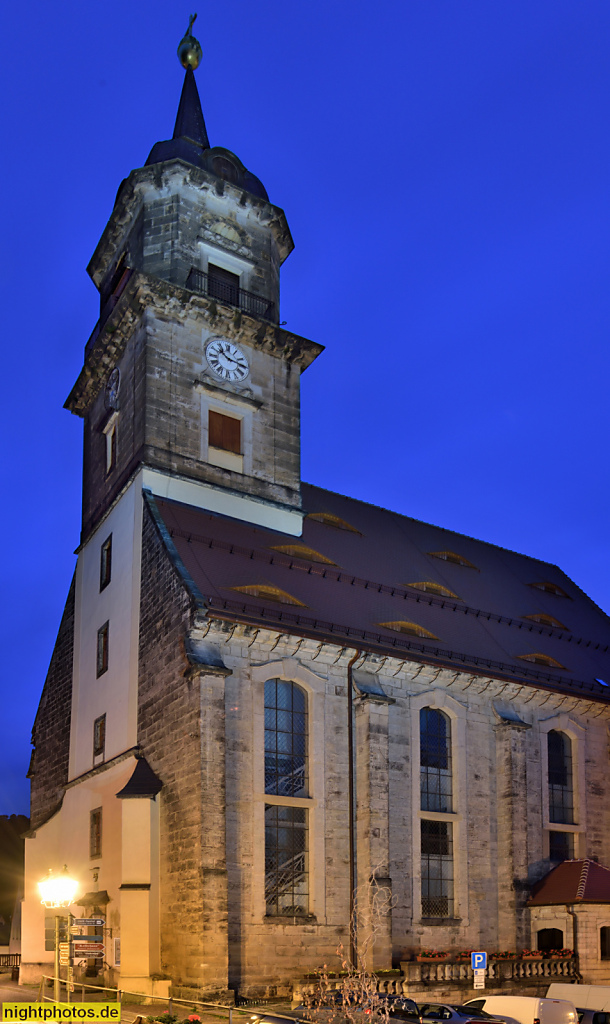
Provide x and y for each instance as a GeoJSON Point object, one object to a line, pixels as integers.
{"type": "Point", "coordinates": [528, 1009]}
{"type": "Point", "coordinates": [589, 997]}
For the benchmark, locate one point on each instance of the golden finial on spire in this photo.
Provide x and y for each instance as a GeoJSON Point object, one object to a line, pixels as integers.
{"type": "Point", "coordinates": [189, 50]}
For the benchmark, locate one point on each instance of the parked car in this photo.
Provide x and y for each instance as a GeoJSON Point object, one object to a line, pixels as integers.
{"type": "Point", "coordinates": [401, 1008]}
{"type": "Point", "coordinates": [588, 997]}
{"type": "Point", "coordinates": [528, 1009]}
{"type": "Point", "coordinates": [456, 1014]}
{"type": "Point", "coordinates": [592, 1016]}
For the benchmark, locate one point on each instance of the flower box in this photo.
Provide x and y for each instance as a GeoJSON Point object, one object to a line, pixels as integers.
{"type": "Point", "coordinates": [432, 957]}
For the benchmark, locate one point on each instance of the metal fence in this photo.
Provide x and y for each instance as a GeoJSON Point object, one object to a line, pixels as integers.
{"type": "Point", "coordinates": [225, 291]}
{"type": "Point", "coordinates": [84, 989]}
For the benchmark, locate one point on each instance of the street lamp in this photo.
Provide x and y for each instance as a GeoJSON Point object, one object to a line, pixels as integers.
{"type": "Point", "coordinates": [57, 891]}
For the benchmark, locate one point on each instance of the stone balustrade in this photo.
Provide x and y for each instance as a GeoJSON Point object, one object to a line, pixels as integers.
{"type": "Point", "coordinates": [499, 972]}
{"type": "Point", "coordinates": [452, 980]}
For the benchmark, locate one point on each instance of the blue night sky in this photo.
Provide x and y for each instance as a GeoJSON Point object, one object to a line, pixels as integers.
{"type": "Point", "coordinates": [445, 170]}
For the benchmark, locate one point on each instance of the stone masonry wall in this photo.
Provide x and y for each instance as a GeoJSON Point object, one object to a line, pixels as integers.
{"type": "Point", "coordinates": [51, 732]}
{"type": "Point", "coordinates": [499, 787]}
{"type": "Point", "coordinates": [99, 487]}
{"type": "Point", "coordinates": [174, 428]}
{"type": "Point", "coordinates": [168, 732]}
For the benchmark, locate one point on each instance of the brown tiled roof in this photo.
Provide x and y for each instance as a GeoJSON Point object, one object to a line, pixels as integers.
{"type": "Point", "coordinates": [483, 631]}
{"type": "Point", "coordinates": [573, 881]}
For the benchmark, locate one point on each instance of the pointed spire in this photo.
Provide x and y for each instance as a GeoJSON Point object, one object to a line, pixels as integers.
{"type": "Point", "coordinates": [189, 120]}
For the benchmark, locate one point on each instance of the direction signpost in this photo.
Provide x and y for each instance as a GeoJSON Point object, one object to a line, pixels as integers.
{"type": "Point", "coordinates": [88, 922]}
{"type": "Point", "coordinates": [479, 968]}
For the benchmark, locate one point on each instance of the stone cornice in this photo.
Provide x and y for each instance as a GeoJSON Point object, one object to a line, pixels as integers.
{"type": "Point", "coordinates": [227, 628]}
{"type": "Point", "coordinates": [159, 177]}
{"type": "Point", "coordinates": [143, 293]}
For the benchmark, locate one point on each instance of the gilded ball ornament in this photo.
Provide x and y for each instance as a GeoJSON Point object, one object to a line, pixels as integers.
{"type": "Point", "coordinates": [189, 49]}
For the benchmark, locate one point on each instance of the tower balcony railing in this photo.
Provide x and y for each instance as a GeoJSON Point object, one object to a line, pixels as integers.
{"type": "Point", "coordinates": [224, 291]}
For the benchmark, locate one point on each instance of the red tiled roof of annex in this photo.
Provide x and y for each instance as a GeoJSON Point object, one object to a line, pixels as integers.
{"type": "Point", "coordinates": [572, 881]}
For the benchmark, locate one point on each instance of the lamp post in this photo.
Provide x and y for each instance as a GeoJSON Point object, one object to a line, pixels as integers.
{"type": "Point", "coordinates": [57, 891]}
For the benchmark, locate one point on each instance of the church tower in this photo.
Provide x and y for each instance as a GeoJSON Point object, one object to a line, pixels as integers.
{"type": "Point", "coordinates": [188, 376]}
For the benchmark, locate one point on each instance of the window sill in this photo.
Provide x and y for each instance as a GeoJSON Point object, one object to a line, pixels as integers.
{"type": "Point", "coordinates": [226, 460]}
{"type": "Point", "coordinates": [439, 921]}
{"type": "Point", "coordinates": [290, 919]}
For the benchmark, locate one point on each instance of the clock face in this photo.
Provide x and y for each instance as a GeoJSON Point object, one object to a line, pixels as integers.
{"type": "Point", "coordinates": [226, 360]}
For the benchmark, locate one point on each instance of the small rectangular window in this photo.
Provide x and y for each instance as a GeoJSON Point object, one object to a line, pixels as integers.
{"type": "Point", "coordinates": [95, 833]}
{"type": "Point", "coordinates": [105, 562]}
{"type": "Point", "coordinates": [224, 432]}
{"type": "Point", "coordinates": [117, 952]}
{"type": "Point", "coordinates": [99, 736]}
{"type": "Point", "coordinates": [110, 436]}
{"type": "Point", "coordinates": [604, 942]}
{"type": "Point", "coordinates": [102, 649]}
{"type": "Point", "coordinates": [561, 846]}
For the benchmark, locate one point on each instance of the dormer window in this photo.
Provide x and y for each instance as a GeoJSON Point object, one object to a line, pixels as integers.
{"type": "Point", "coordinates": [541, 659]}
{"type": "Point", "coordinates": [545, 620]}
{"type": "Point", "coordinates": [330, 520]}
{"type": "Point", "coordinates": [433, 588]}
{"type": "Point", "coordinates": [223, 285]}
{"type": "Point", "coordinates": [268, 593]}
{"type": "Point", "coordinates": [302, 551]}
{"type": "Point", "coordinates": [549, 588]}
{"type": "Point", "coordinates": [452, 556]}
{"type": "Point", "coordinates": [410, 628]}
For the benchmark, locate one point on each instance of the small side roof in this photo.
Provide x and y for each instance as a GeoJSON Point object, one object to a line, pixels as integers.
{"type": "Point", "coordinates": [142, 784]}
{"type": "Point", "coordinates": [572, 881]}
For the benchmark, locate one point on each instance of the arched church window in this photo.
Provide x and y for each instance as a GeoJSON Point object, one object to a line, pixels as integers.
{"type": "Point", "coordinates": [435, 760]}
{"type": "Point", "coordinates": [285, 739]}
{"type": "Point", "coordinates": [561, 794]}
{"type": "Point", "coordinates": [286, 827]}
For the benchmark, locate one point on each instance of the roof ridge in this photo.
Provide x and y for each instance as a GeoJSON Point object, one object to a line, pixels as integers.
{"type": "Point", "coordinates": [584, 874]}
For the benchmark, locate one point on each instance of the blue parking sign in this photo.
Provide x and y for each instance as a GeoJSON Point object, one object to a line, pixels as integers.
{"type": "Point", "coordinates": [478, 961]}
